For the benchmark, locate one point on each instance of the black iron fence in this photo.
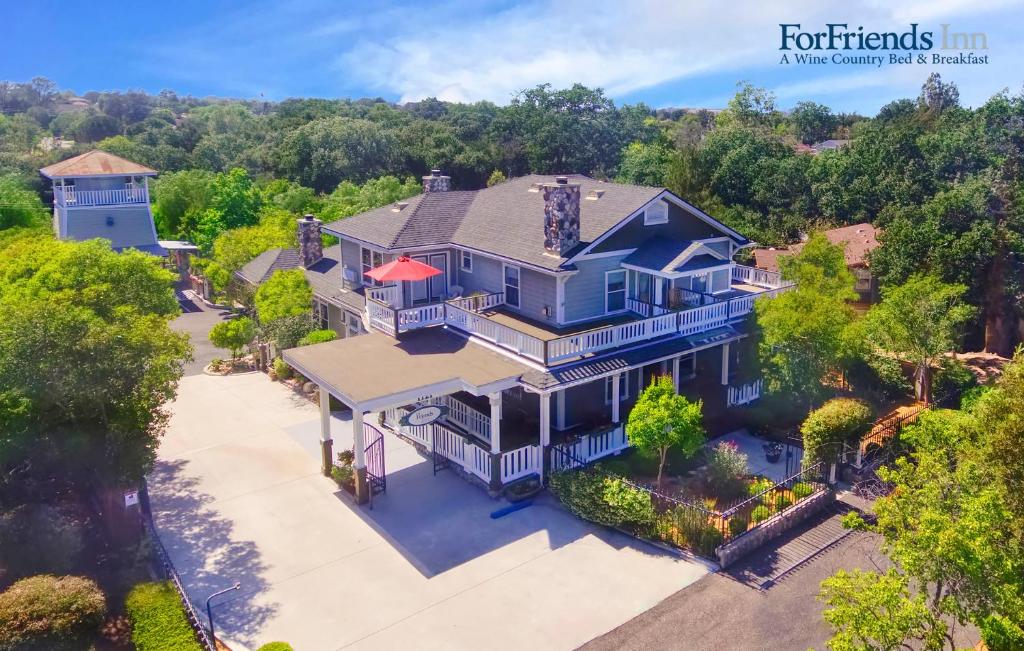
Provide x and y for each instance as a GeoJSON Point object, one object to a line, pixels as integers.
{"type": "Point", "coordinates": [166, 568]}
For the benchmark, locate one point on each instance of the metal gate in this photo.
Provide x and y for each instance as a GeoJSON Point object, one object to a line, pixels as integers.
{"type": "Point", "coordinates": [375, 475]}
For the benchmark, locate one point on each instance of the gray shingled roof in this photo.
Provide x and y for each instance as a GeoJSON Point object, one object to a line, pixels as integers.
{"type": "Point", "coordinates": [656, 253]}
{"type": "Point", "coordinates": [263, 266]}
{"type": "Point", "coordinates": [506, 219]}
{"type": "Point", "coordinates": [702, 261]}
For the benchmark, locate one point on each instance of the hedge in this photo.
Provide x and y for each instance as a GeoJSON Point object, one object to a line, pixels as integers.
{"type": "Point", "coordinates": [838, 420]}
{"type": "Point", "coordinates": [276, 646]}
{"type": "Point", "coordinates": [602, 499]}
{"type": "Point", "coordinates": [51, 613]}
{"type": "Point", "coordinates": [158, 619]}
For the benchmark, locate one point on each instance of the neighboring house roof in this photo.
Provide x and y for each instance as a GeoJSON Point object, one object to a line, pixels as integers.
{"type": "Point", "coordinates": [506, 219]}
{"type": "Point", "coordinates": [95, 163]}
{"type": "Point", "coordinates": [263, 266]}
{"type": "Point", "coordinates": [858, 239]}
{"type": "Point", "coordinates": [829, 145]}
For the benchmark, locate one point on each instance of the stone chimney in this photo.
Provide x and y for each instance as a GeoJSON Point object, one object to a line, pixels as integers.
{"type": "Point", "coordinates": [561, 216]}
{"type": "Point", "coordinates": [435, 182]}
{"type": "Point", "coordinates": [311, 247]}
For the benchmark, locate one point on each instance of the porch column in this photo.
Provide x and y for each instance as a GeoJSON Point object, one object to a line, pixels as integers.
{"type": "Point", "coordinates": [675, 373]}
{"type": "Point", "coordinates": [616, 399]}
{"type": "Point", "coordinates": [545, 433]}
{"type": "Point", "coordinates": [495, 399]}
{"type": "Point", "coordinates": [326, 443]}
{"type": "Point", "coordinates": [725, 364]}
{"type": "Point", "coordinates": [560, 409]}
{"type": "Point", "coordinates": [359, 451]}
{"type": "Point", "coordinates": [658, 290]}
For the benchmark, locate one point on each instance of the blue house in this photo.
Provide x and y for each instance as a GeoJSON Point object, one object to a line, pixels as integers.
{"type": "Point", "coordinates": [559, 299]}
{"type": "Point", "coordinates": [100, 195]}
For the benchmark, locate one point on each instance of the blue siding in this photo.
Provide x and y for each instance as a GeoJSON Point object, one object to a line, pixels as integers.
{"type": "Point", "coordinates": [536, 290]}
{"type": "Point", "coordinates": [584, 292]}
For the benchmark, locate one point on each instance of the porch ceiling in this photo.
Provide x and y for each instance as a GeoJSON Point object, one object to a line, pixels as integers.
{"type": "Point", "coordinates": [375, 371]}
{"type": "Point", "coordinates": [582, 372]}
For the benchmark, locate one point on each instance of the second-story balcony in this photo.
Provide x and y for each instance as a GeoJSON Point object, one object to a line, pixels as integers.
{"type": "Point", "coordinates": [485, 317]}
{"type": "Point", "coordinates": [128, 194]}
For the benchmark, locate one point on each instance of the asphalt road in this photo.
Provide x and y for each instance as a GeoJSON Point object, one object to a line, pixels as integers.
{"type": "Point", "coordinates": [722, 612]}
{"type": "Point", "coordinates": [196, 320]}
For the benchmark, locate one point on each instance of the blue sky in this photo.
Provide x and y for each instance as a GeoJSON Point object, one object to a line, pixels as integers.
{"type": "Point", "coordinates": [678, 53]}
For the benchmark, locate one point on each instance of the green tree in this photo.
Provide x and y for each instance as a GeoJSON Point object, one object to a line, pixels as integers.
{"type": "Point", "coordinates": [803, 330]}
{"type": "Point", "coordinates": [919, 321]}
{"type": "Point", "coordinates": [325, 152]}
{"type": "Point", "coordinates": [19, 206]}
{"type": "Point", "coordinates": [812, 122]}
{"type": "Point", "coordinates": [661, 420]}
{"type": "Point", "coordinates": [838, 421]}
{"type": "Point", "coordinates": [350, 199]}
{"type": "Point", "coordinates": [177, 196]}
{"type": "Point", "coordinates": [233, 334]}
{"type": "Point", "coordinates": [232, 249]}
{"type": "Point", "coordinates": [284, 294]}
{"type": "Point", "coordinates": [645, 163]}
{"type": "Point", "coordinates": [87, 363]}
{"type": "Point", "coordinates": [496, 177]}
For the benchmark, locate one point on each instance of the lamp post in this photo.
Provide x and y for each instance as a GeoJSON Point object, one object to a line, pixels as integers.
{"type": "Point", "coordinates": [209, 611]}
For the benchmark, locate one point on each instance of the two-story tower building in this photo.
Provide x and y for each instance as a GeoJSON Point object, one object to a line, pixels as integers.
{"type": "Point", "coordinates": [99, 195]}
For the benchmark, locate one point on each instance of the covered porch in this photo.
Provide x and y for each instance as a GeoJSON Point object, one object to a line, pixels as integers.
{"type": "Point", "coordinates": [381, 379]}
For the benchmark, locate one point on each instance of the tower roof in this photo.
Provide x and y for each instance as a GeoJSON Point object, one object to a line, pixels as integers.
{"type": "Point", "coordinates": [95, 163]}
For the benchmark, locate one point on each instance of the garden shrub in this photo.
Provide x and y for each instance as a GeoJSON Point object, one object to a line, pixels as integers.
{"type": "Point", "coordinates": [281, 369]}
{"type": "Point", "coordinates": [605, 500]}
{"type": "Point", "coordinates": [342, 475]}
{"type": "Point", "coordinates": [737, 526]}
{"type": "Point", "coordinates": [802, 490]}
{"type": "Point", "coordinates": [276, 646]}
{"type": "Point", "coordinates": [760, 514]}
{"type": "Point", "coordinates": [837, 421]}
{"type": "Point", "coordinates": [37, 539]}
{"type": "Point", "coordinates": [758, 486]}
{"type": "Point", "coordinates": [782, 502]}
{"type": "Point", "coordinates": [686, 527]}
{"type": "Point", "coordinates": [234, 334]}
{"type": "Point", "coordinates": [318, 337]}
{"type": "Point", "coordinates": [51, 613]}
{"type": "Point", "coordinates": [727, 469]}
{"type": "Point", "coordinates": [159, 622]}
{"type": "Point", "coordinates": [953, 379]}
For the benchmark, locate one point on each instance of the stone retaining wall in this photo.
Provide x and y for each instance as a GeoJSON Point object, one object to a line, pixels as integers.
{"type": "Point", "coordinates": [773, 527]}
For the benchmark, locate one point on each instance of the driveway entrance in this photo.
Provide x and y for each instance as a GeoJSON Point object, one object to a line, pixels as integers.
{"type": "Point", "coordinates": [237, 495]}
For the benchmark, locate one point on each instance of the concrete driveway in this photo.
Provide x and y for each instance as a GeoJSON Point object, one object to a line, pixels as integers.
{"type": "Point", "coordinates": [237, 496]}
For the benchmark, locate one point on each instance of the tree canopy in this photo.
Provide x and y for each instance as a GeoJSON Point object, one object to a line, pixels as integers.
{"type": "Point", "coordinates": [662, 419]}
{"type": "Point", "coordinates": [284, 294]}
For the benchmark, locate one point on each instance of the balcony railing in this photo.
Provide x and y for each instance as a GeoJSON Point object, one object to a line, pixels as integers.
{"type": "Point", "coordinates": [388, 294]}
{"type": "Point", "coordinates": [759, 277]}
{"type": "Point", "coordinates": [69, 197]}
{"type": "Point", "coordinates": [468, 315]}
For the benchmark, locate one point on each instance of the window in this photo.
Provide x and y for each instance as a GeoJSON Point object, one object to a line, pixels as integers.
{"type": "Point", "coordinates": [623, 388]}
{"type": "Point", "coordinates": [467, 261]}
{"type": "Point", "coordinates": [615, 290]}
{"type": "Point", "coordinates": [656, 213]}
{"type": "Point", "coordinates": [511, 285]}
{"type": "Point", "coordinates": [354, 325]}
{"type": "Point", "coordinates": [320, 314]}
{"type": "Point", "coordinates": [370, 260]}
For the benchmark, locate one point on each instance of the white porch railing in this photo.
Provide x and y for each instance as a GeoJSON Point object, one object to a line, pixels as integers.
{"type": "Point", "coordinates": [479, 302]}
{"type": "Point", "coordinates": [467, 418]}
{"type": "Point", "coordinates": [645, 309]}
{"type": "Point", "coordinates": [72, 198]}
{"type": "Point", "coordinates": [478, 461]}
{"type": "Point", "coordinates": [497, 333]}
{"type": "Point", "coordinates": [445, 442]}
{"type": "Point", "coordinates": [744, 393]}
{"type": "Point", "coordinates": [382, 316]}
{"type": "Point", "coordinates": [423, 316]}
{"type": "Point", "coordinates": [590, 447]}
{"type": "Point", "coordinates": [593, 341]}
{"type": "Point", "coordinates": [389, 294]}
{"type": "Point", "coordinates": [754, 276]}
{"type": "Point", "coordinates": [520, 463]}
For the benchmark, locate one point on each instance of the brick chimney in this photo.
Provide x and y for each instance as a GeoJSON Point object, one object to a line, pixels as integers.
{"type": "Point", "coordinates": [561, 216]}
{"type": "Point", "coordinates": [436, 182]}
{"type": "Point", "coordinates": [311, 247]}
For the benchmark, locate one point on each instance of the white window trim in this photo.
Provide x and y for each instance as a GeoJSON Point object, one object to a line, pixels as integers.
{"type": "Point", "coordinates": [625, 290]}
{"type": "Point", "coordinates": [363, 279]}
{"type": "Point", "coordinates": [463, 257]}
{"type": "Point", "coordinates": [651, 219]}
{"type": "Point", "coordinates": [623, 390]}
{"type": "Point", "coordinates": [519, 287]}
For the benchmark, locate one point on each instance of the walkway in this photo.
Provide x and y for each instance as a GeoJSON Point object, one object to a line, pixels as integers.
{"type": "Point", "coordinates": [237, 496]}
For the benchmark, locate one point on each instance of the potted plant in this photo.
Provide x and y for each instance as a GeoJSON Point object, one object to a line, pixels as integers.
{"type": "Point", "coordinates": [522, 489]}
{"type": "Point", "coordinates": [772, 451]}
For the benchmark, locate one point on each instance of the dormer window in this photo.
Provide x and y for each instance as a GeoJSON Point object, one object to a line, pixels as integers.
{"type": "Point", "coordinates": [656, 213]}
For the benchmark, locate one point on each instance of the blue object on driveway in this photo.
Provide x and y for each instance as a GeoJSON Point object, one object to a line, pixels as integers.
{"type": "Point", "coordinates": [511, 508]}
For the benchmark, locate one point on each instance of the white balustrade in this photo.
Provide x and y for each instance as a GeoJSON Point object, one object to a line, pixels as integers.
{"type": "Point", "coordinates": [73, 198]}
{"type": "Point", "coordinates": [382, 317]}
{"type": "Point", "coordinates": [590, 447]}
{"type": "Point", "coordinates": [497, 333]}
{"type": "Point", "coordinates": [479, 302]}
{"type": "Point", "coordinates": [467, 418]}
{"type": "Point", "coordinates": [599, 339]}
{"type": "Point", "coordinates": [520, 463]}
{"type": "Point", "coordinates": [754, 276]}
{"type": "Point", "coordinates": [388, 294]}
{"type": "Point", "coordinates": [743, 394]}
{"type": "Point", "coordinates": [412, 318]}
{"type": "Point", "coordinates": [478, 461]}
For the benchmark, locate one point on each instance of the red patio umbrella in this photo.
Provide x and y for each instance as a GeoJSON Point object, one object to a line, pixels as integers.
{"type": "Point", "coordinates": [404, 268]}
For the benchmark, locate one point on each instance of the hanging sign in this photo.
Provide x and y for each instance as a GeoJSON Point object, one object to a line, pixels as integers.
{"type": "Point", "coordinates": [423, 415]}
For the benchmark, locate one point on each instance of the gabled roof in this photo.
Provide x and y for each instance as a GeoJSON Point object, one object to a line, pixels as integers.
{"type": "Point", "coordinates": [95, 163]}
{"type": "Point", "coordinates": [263, 266]}
{"type": "Point", "coordinates": [506, 220]}
{"type": "Point", "coordinates": [673, 256]}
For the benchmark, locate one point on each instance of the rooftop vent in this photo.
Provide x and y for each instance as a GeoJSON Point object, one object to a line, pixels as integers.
{"type": "Point", "coordinates": [594, 195]}
{"type": "Point", "coordinates": [561, 180]}
{"type": "Point", "coordinates": [535, 187]}
{"type": "Point", "coordinates": [399, 206]}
